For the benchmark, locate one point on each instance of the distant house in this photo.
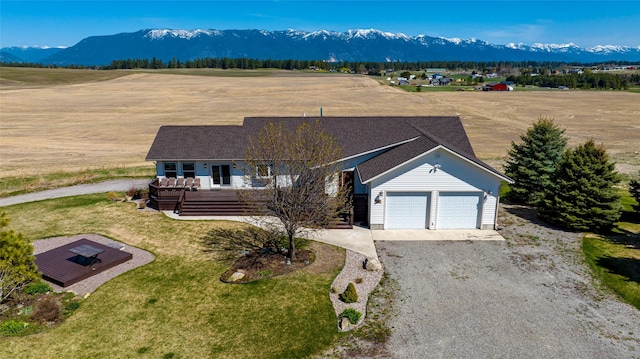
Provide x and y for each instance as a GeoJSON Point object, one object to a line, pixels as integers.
{"type": "Point", "coordinates": [402, 172]}
{"type": "Point", "coordinates": [442, 81]}
{"type": "Point", "coordinates": [437, 76]}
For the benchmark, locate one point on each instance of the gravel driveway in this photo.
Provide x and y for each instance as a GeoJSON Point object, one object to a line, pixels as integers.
{"type": "Point", "coordinates": [528, 297]}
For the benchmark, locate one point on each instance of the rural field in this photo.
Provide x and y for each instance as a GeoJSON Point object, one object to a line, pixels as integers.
{"type": "Point", "coordinates": [97, 119]}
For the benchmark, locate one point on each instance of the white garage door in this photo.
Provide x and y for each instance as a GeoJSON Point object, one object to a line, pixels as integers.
{"type": "Point", "coordinates": [458, 210]}
{"type": "Point", "coordinates": [406, 210]}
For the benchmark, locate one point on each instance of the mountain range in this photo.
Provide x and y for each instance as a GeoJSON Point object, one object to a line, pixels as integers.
{"type": "Point", "coordinates": [352, 45]}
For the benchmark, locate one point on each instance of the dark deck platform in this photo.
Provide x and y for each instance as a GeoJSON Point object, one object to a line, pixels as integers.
{"type": "Point", "coordinates": [59, 265]}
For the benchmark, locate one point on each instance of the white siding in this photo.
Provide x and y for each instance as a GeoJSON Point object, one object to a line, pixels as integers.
{"type": "Point", "coordinates": [420, 175]}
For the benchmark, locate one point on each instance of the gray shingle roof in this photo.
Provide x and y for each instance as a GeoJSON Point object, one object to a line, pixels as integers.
{"type": "Point", "coordinates": [356, 135]}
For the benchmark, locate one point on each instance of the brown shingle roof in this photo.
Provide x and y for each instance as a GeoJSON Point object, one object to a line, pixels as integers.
{"type": "Point", "coordinates": [198, 143]}
{"type": "Point", "coordinates": [394, 157]}
{"type": "Point", "coordinates": [356, 135]}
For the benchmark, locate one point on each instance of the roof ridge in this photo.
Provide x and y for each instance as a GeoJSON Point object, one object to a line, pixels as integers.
{"type": "Point", "coordinates": [429, 136]}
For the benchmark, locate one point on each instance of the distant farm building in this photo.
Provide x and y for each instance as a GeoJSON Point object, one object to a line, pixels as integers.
{"type": "Point", "coordinates": [497, 86]}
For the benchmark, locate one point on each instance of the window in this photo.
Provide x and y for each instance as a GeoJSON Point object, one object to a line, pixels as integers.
{"type": "Point", "coordinates": [263, 171]}
{"type": "Point", "coordinates": [189, 170]}
{"type": "Point", "coordinates": [170, 170]}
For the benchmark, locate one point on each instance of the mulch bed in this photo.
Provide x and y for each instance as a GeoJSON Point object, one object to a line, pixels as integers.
{"type": "Point", "coordinates": [261, 265]}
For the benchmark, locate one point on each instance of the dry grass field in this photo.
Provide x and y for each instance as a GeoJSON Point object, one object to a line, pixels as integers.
{"type": "Point", "coordinates": [111, 122]}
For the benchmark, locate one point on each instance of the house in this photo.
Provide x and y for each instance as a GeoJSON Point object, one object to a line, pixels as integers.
{"type": "Point", "coordinates": [442, 81]}
{"type": "Point", "coordinates": [404, 172]}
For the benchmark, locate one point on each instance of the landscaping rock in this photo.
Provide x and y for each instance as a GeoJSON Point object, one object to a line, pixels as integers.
{"type": "Point", "coordinates": [372, 264]}
{"type": "Point", "coordinates": [237, 276]}
{"type": "Point", "coordinates": [344, 324]}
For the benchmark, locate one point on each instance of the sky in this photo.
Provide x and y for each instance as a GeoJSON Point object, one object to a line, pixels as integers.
{"type": "Point", "coordinates": [584, 23]}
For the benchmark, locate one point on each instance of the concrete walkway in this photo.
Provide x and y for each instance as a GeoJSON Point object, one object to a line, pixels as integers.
{"type": "Point", "coordinates": [361, 240]}
{"type": "Point", "coordinates": [358, 239]}
{"type": "Point", "coordinates": [118, 185]}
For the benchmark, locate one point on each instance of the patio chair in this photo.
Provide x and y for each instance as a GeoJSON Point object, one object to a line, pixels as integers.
{"type": "Point", "coordinates": [164, 182]}
{"type": "Point", "coordinates": [196, 184]}
{"type": "Point", "coordinates": [189, 183]}
{"type": "Point", "coordinates": [172, 182]}
{"type": "Point", "coordinates": [180, 183]}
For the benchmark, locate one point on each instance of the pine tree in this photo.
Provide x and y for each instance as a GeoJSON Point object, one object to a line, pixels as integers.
{"type": "Point", "coordinates": [532, 163]}
{"type": "Point", "coordinates": [17, 267]}
{"type": "Point", "coordinates": [583, 196]}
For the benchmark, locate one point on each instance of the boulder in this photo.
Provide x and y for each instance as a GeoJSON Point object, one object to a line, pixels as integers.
{"type": "Point", "coordinates": [344, 324]}
{"type": "Point", "coordinates": [372, 264]}
{"type": "Point", "coordinates": [237, 276]}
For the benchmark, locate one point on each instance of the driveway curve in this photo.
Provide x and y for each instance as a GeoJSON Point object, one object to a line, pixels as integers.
{"type": "Point", "coordinates": [118, 185]}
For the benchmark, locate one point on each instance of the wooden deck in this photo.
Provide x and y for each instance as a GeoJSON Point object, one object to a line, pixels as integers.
{"type": "Point", "coordinates": [58, 265]}
{"type": "Point", "coordinates": [225, 202]}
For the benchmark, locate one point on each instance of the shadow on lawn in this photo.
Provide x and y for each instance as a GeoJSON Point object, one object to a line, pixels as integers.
{"type": "Point", "coordinates": [626, 267]}
{"type": "Point", "coordinates": [528, 213]}
{"type": "Point", "coordinates": [626, 238]}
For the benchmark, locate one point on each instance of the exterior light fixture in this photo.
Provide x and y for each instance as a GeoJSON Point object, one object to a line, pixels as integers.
{"type": "Point", "coordinates": [205, 165]}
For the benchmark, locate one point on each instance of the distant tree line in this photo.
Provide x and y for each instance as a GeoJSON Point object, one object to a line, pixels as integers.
{"type": "Point", "coordinates": [587, 80]}
{"type": "Point", "coordinates": [517, 71]}
{"type": "Point", "coordinates": [218, 63]}
{"type": "Point", "coordinates": [372, 67]}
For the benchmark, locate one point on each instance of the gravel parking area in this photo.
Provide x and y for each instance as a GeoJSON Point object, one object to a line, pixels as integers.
{"type": "Point", "coordinates": [140, 258]}
{"type": "Point", "coordinates": [530, 296]}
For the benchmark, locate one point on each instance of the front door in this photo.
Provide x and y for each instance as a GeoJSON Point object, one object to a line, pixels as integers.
{"type": "Point", "coordinates": [221, 175]}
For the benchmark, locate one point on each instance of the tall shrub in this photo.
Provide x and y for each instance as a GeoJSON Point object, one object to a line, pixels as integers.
{"type": "Point", "coordinates": [531, 163]}
{"type": "Point", "coordinates": [583, 196]}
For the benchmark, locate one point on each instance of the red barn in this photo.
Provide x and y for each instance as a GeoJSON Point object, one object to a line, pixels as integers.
{"type": "Point", "coordinates": [495, 86]}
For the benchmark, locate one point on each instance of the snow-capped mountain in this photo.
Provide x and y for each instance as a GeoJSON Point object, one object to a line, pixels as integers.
{"type": "Point", "coordinates": [351, 45]}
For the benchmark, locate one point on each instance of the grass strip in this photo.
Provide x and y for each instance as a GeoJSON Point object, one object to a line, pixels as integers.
{"type": "Point", "coordinates": [12, 186]}
{"type": "Point", "coordinates": [615, 260]}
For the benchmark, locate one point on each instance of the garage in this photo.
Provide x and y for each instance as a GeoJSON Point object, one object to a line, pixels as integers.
{"type": "Point", "coordinates": [407, 210]}
{"type": "Point", "coordinates": [458, 210]}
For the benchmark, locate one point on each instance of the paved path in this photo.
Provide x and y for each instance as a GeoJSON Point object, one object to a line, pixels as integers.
{"type": "Point", "coordinates": [118, 185]}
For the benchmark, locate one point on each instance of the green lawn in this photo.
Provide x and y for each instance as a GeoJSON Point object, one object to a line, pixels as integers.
{"type": "Point", "coordinates": [615, 257]}
{"type": "Point", "coordinates": [176, 306]}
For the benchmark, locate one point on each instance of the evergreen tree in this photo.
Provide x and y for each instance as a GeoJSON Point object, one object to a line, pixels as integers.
{"type": "Point", "coordinates": [583, 196]}
{"type": "Point", "coordinates": [532, 162]}
{"type": "Point", "coordinates": [17, 267]}
{"type": "Point", "coordinates": [634, 189]}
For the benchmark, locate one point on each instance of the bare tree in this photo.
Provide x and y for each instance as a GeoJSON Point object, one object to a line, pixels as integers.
{"type": "Point", "coordinates": [298, 179]}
